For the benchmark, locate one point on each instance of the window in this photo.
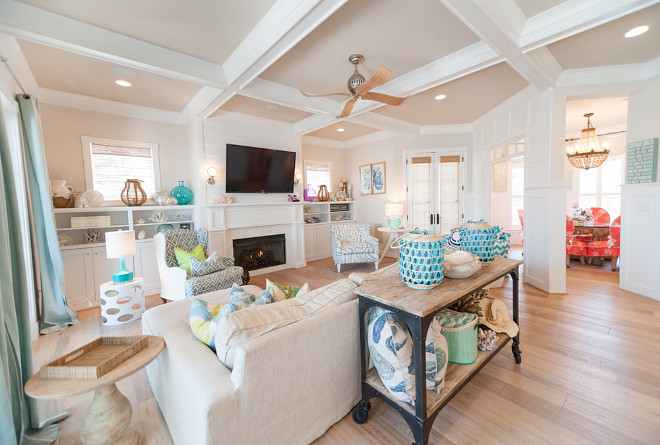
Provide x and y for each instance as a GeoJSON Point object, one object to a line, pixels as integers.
{"type": "Point", "coordinates": [109, 163]}
{"type": "Point", "coordinates": [318, 173]}
{"type": "Point", "coordinates": [507, 169]}
{"type": "Point", "coordinates": [600, 187]}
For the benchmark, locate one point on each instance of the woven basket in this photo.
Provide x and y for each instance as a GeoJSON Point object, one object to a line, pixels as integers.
{"type": "Point", "coordinates": [421, 259]}
{"type": "Point", "coordinates": [478, 237]}
{"type": "Point", "coordinates": [460, 330]}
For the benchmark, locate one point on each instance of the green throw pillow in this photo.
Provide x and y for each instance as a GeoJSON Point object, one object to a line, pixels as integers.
{"type": "Point", "coordinates": [183, 257]}
{"type": "Point", "coordinates": [284, 292]}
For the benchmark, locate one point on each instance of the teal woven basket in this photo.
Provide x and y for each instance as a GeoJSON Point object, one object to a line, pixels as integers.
{"type": "Point", "coordinates": [478, 237]}
{"type": "Point", "coordinates": [421, 259]}
{"type": "Point", "coordinates": [460, 330]}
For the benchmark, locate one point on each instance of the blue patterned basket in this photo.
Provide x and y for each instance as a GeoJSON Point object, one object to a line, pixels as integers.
{"type": "Point", "coordinates": [421, 259]}
{"type": "Point", "coordinates": [478, 237]}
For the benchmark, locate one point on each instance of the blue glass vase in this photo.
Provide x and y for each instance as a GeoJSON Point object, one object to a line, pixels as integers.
{"type": "Point", "coordinates": [182, 194]}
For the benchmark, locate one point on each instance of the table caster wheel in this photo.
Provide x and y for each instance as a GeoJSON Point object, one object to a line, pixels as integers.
{"type": "Point", "coordinates": [361, 413]}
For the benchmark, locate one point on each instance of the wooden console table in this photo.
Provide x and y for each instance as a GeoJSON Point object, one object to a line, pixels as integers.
{"type": "Point", "coordinates": [417, 308]}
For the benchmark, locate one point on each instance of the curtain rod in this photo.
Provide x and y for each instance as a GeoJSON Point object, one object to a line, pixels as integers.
{"type": "Point", "coordinates": [5, 61]}
{"type": "Point", "coordinates": [598, 135]}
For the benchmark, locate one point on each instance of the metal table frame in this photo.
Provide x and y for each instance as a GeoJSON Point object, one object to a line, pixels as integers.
{"type": "Point", "coordinates": [421, 422]}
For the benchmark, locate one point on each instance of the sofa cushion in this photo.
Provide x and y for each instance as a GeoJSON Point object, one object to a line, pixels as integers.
{"type": "Point", "coordinates": [183, 256]}
{"type": "Point", "coordinates": [352, 247]}
{"type": "Point", "coordinates": [284, 292]}
{"type": "Point", "coordinates": [199, 267]}
{"type": "Point", "coordinates": [254, 322]}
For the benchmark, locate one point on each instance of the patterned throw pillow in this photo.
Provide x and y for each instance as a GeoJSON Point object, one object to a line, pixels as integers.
{"type": "Point", "coordinates": [212, 264]}
{"type": "Point", "coordinates": [183, 257]}
{"type": "Point", "coordinates": [283, 292]}
{"type": "Point", "coordinates": [204, 316]}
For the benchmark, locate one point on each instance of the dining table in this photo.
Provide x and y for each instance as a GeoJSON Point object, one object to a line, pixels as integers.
{"type": "Point", "coordinates": [600, 232]}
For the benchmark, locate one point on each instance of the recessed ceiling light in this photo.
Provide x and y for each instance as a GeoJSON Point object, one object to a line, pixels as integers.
{"type": "Point", "coordinates": [272, 107]}
{"type": "Point", "coordinates": [340, 129]}
{"type": "Point", "coordinates": [638, 30]}
{"type": "Point", "coordinates": [124, 72]}
{"type": "Point", "coordinates": [123, 83]}
{"type": "Point", "coordinates": [440, 97]}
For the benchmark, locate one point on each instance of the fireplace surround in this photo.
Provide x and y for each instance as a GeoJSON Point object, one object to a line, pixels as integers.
{"type": "Point", "coordinates": [260, 251]}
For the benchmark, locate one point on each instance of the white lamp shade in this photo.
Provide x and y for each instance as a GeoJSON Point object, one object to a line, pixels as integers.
{"type": "Point", "coordinates": [120, 244]}
{"type": "Point", "coordinates": [394, 209]}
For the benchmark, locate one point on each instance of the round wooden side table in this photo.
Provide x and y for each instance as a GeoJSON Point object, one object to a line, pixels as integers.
{"type": "Point", "coordinates": [108, 418]}
{"type": "Point", "coordinates": [394, 234]}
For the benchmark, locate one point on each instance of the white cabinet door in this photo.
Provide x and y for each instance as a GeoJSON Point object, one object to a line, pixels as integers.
{"type": "Point", "coordinates": [310, 242]}
{"type": "Point", "coordinates": [323, 241]}
{"type": "Point", "coordinates": [78, 277]}
{"type": "Point", "coordinates": [145, 267]}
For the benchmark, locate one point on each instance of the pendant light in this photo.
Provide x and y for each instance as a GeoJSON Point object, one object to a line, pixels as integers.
{"type": "Point", "coordinates": [589, 153]}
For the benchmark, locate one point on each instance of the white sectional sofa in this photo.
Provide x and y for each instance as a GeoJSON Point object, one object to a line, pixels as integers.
{"type": "Point", "coordinates": [289, 383]}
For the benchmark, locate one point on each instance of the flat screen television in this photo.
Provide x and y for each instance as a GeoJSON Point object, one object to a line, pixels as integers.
{"type": "Point", "coordinates": [259, 170]}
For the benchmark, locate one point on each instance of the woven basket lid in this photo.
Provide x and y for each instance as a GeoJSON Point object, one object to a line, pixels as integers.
{"type": "Point", "coordinates": [421, 236]}
{"type": "Point", "coordinates": [452, 319]}
{"type": "Point", "coordinates": [481, 224]}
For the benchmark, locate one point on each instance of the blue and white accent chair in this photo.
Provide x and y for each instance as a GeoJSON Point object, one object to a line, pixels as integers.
{"type": "Point", "coordinates": [175, 282]}
{"type": "Point", "coordinates": [351, 243]}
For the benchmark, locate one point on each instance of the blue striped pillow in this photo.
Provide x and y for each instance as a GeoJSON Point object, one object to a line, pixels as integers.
{"type": "Point", "coordinates": [213, 263]}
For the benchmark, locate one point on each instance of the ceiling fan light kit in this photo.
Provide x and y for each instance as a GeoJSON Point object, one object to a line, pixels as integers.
{"type": "Point", "coordinates": [589, 153]}
{"type": "Point", "coordinates": [360, 88]}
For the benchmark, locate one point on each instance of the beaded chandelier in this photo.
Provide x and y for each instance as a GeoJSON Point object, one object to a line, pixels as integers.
{"type": "Point", "coordinates": [589, 153]}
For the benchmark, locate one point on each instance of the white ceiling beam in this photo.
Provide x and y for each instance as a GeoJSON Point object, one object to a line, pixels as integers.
{"type": "Point", "coordinates": [634, 72]}
{"type": "Point", "coordinates": [10, 50]}
{"type": "Point", "coordinates": [375, 120]}
{"type": "Point", "coordinates": [285, 24]}
{"type": "Point", "coordinates": [489, 21]}
{"type": "Point", "coordinates": [287, 96]}
{"type": "Point", "coordinates": [47, 28]}
{"type": "Point", "coordinates": [200, 102]}
{"type": "Point", "coordinates": [573, 17]}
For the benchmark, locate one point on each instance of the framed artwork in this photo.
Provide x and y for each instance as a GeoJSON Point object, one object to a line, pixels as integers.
{"type": "Point", "coordinates": [378, 178]}
{"type": "Point", "coordinates": [365, 179]}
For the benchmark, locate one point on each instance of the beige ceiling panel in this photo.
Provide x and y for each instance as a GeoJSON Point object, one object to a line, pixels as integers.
{"type": "Point", "coordinates": [208, 29]}
{"type": "Point", "coordinates": [399, 35]}
{"type": "Point", "coordinates": [534, 7]}
{"type": "Point", "coordinates": [350, 131]}
{"type": "Point", "coordinates": [608, 111]}
{"type": "Point", "coordinates": [605, 45]}
{"type": "Point", "coordinates": [259, 108]}
{"type": "Point", "coordinates": [467, 98]}
{"type": "Point", "coordinates": [73, 73]}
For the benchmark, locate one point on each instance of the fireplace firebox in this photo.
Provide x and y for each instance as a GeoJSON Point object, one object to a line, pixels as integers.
{"type": "Point", "coordinates": [259, 252]}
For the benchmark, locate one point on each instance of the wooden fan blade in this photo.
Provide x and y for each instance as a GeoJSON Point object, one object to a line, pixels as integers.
{"type": "Point", "coordinates": [323, 95]}
{"type": "Point", "coordinates": [348, 107]}
{"type": "Point", "coordinates": [382, 75]}
{"type": "Point", "coordinates": [384, 98]}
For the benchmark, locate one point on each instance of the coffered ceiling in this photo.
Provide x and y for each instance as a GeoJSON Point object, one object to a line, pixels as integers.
{"type": "Point", "coordinates": [214, 58]}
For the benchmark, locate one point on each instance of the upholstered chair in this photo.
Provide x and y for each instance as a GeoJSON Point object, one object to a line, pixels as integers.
{"type": "Point", "coordinates": [574, 247]}
{"type": "Point", "coordinates": [175, 282]}
{"type": "Point", "coordinates": [611, 248]}
{"type": "Point", "coordinates": [351, 243]}
{"type": "Point", "coordinates": [600, 216]}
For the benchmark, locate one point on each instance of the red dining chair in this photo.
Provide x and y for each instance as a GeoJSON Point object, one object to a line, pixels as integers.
{"type": "Point", "coordinates": [611, 248]}
{"type": "Point", "coordinates": [600, 216]}
{"type": "Point", "coordinates": [520, 217]}
{"type": "Point", "coordinates": [573, 246]}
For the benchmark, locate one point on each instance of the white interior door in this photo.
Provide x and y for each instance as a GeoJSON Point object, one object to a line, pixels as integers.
{"type": "Point", "coordinates": [435, 191]}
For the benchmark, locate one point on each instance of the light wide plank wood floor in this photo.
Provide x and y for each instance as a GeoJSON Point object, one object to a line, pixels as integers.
{"type": "Point", "coordinates": [590, 372]}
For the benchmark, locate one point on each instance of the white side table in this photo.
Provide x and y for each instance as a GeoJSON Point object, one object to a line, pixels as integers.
{"type": "Point", "coordinates": [122, 302]}
{"type": "Point", "coordinates": [394, 234]}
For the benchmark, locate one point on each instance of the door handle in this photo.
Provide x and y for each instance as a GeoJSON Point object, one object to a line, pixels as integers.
{"type": "Point", "coordinates": [431, 215]}
{"type": "Point", "coordinates": [437, 218]}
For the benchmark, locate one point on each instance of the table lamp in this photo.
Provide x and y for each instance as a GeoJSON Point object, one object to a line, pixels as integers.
{"type": "Point", "coordinates": [120, 244]}
{"type": "Point", "coordinates": [394, 212]}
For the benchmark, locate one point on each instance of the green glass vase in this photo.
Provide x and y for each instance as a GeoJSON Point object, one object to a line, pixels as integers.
{"type": "Point", "coordinates": [182, 194]}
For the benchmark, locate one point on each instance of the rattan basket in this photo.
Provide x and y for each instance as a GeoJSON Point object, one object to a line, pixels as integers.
{"type": "Point", "coordinates": [478, 237]}
{"type": "Point", "coordinates": [421, 259]}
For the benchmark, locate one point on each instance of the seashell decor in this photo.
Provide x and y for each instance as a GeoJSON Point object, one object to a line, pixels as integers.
{"type": "Point", "coordinates": [158, 217]}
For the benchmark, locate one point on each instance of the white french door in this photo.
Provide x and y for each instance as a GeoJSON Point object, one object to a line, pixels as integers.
{"type": "Point", "coordinates": [434, 191]}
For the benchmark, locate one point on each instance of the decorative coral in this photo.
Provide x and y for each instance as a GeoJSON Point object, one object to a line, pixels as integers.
{"type": "Point", "coordinates": [470, 303]}
{"type": "Point", "coordinates": [487, 340]}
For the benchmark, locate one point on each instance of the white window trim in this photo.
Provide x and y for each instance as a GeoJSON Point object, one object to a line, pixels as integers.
{"type": "Point", "coordinates": [87, 142]}
{"type": "Point", "coordinates": [307, 162]}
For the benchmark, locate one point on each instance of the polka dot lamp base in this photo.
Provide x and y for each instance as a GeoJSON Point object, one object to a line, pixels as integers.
{"type": "Point", "coordinates": [122, 302]}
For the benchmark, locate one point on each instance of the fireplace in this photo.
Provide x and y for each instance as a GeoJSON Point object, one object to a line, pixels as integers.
{"type": "Point", "coordinates": [260, 251]}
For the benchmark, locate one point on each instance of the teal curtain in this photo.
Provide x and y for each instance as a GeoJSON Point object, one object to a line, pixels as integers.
{"type": "Point", "coordinates": [18, 414]}
{"type": "Point", "coordinates": [55, 314]}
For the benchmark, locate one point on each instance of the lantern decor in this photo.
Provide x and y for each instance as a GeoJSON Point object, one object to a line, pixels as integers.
{"type": "Point", "coordinates": [133, 195]}
{"type": "Point", "coordinates": [589, 153]}
{"type": "Point", "coordinates": [323, 194]}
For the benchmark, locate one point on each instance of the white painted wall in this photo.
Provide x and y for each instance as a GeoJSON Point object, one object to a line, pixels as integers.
{"type": "Point", "coordinates": [233, 128]}
{"type": "Point", "coordinates": [63, 127]}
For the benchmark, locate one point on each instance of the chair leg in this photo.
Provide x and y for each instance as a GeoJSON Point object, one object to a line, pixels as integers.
{"type": "Point", "coordinates": [376, 263]}
{"type": "Point", "coordinates": [568, 260]}
{"type": "Point", "coordinates": [614, 258]}
{"type": "Point", "coordinates": [582, 260]}
{"type": "Point", "coordinates": [164, 300]}
{"type": "Point", "coordinates": [338, 268]}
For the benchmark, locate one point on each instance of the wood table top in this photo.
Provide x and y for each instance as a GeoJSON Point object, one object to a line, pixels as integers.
{"type": "Point", "coordinates": [393, 292]}
{"type": "Point", "coordinates": [40, 388]}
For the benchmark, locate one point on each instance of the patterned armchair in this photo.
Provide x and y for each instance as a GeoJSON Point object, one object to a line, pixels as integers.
{"type": "Point", "coordinates": [175, 282]}
{"type": "Point", "coordinates": [574, 246]}
{"type": "Point", "coordinates": [610, 248]}
{"type": "Point", "coordinates": [600, 216]}
{"type": "Point", "coordinates": [351, 243]}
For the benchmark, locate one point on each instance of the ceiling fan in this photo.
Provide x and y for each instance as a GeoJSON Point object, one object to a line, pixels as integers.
{"type": "Point", "coordinates": [360, 88]}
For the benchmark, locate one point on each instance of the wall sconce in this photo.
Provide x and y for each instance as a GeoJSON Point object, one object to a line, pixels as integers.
{"type": "Point", "coordinates": [298, 178]}
{"type": "Point", "coordinates": [212, 173]}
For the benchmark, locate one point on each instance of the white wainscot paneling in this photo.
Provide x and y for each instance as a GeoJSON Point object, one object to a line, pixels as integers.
{"type": "Point", "coordinates": [518, 121]}
{"type": "Point", "coordinates": [501, 129]}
